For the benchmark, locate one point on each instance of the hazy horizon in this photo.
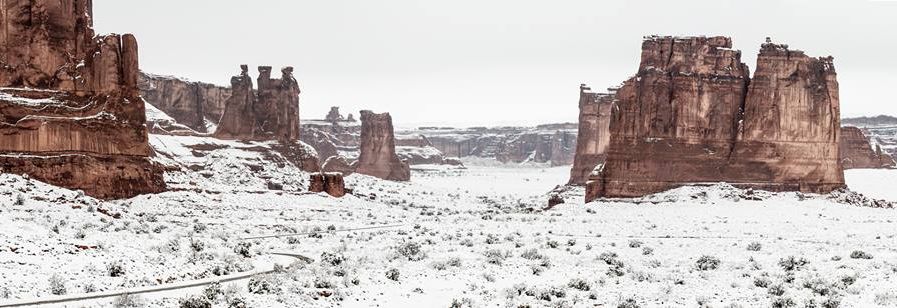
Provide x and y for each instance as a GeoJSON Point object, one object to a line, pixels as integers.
{"type": "Point", "coordinates": [475, 63]}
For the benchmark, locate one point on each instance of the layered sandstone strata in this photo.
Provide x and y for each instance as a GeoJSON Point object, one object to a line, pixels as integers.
{"type": "Point", "coordinates": [858, 153]}
{"type": "Point", "coordinates": [378, 149]}
{"type": "Point", "coordinates": [271, 113]}
{"type": "Point", "coordinates": [197, 105]}
{"type": "Point", "coordinates": [693, 115]}
{"type": "Point", "coordinates": [70, 111]}
{"type": "Point", "coordinates": [594, 133]}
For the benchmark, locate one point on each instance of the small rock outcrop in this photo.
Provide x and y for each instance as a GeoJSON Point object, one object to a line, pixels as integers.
{"type": "Point", "coordinates": [378, 149]}
{"type": "Point", "coordinates": [692, 114]}
{"type": "Point", "coordinates": [330, 183]}
{"type": "Point", "coordinates": [70, 111]}
{"type": "Point", "coordinates": [271, 113]}
{"type": "Point", "coordinates": [857, 152]}
{"type": "Point", "coordinates": [196, 105]}
{"type": "Point", "coordinates": [594, 133]}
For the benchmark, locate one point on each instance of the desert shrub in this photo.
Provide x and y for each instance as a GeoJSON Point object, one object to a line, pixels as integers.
{"type": "Point", "coordinates": [629, 303]}
{"type": "Point", "coordinates": [859, 254]}
{"type": "Point", "coordinates": [393, 274]}
{"type": "Point", "coordinates": [531, 254]}
{"type": "Point", "coordinates": [647, 251]}
{"type": "Point", "coordinates": [754, 246]}
{"type": "Point", "coordinates": [571, 242]}
{"type": "Point", "coordinates": [830, 302]}
{"type": "Point", "coordinates": [495, 256]}
{"type": "Point", "coordinates": [818, 286]}
{"type": "Point", "coordinates": [462, 303]}
{"type": "Point", "coordinates": [197, 245]}
{"type": "Point", "coordinates": [115, 269]}
{"type": "Point", "coordinates": [762, 282]}
{"type": "Point", "coordinates": [552, 244]}
{"type": "Point", "coordinates": [608, 257]}
{"type": "Point", "coordinates": [492, 239]}
{"type": "Point", "coordinates": [199, 227]}
{"type": "Point", "coordinates": [579, 284]}
{"type": "Point", "coordinates": [128, 301]}
{"type": "Point", "coordinates": [264, 284]}
{"type": "Point", "coordinates": [20, 200]}
{"type": "Point", "coordinates": [783, 302]}
{"type": "Point", "coordinates": [213, 291]}
{"type": "Point", "coordinates": [333, 258]}
{"type": "Point", "coordinates": [194, 302]}
{"type": "Point", "coordinates": [791, 263]}
{"type": "Point", "coordinates": [57, 285]}
{"type": "Point", "coordinates": [635, 243]}
{"type": "Point", "coordinates": [244, 249]}
{"type": "Point", "coordinates": [616, 269]}
{"type": "Point", "coordinates": [707, 263]}
{"type": "Point", "coordinates": [323, 283]}
{"type": "Point", "coordinates": [776, 290]}
{"type": "Point", "coordinates": [411, 250]}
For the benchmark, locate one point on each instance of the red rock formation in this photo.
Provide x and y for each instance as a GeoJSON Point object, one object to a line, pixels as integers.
{"type": "Point", "coordinates": [273, 114]}
{"type": "Point", "coordinates": [378, 149]}
{"type": "Point", "coordinates": [858, 153]}
{"type": "Point", "coordinates": [197, 105]}
{"type": "Point", "coordinates": [689, 116]}
{"type": "Point", "coordinates": [331, 183]}
{"type": "Point", "coordinates": [70, 111]}
{"type": "Point", "coordinates": [594, 133]}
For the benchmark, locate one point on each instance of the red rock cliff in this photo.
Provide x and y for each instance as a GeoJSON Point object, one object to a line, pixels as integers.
{"type": "Point", "coordinates": [378, 149]}
{"type": "Point", "coordinates": [194, 104]}
{"type": "Point", "coordinates": [272, 114]}
{"type": "Point", "coordinates": [693, 115]}
{"type": "Point", "coordinates": [594, 133]}
{"type": "Point", "coordinates": [70, 111]}
{"type": "Point", "coordinates": [858, 153]}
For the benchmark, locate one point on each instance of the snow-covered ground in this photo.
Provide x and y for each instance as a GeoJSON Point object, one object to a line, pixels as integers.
{"type": "Point", "coordinates": [475, 237]}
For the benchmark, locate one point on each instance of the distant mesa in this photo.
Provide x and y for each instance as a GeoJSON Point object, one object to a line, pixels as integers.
{"type": "Point", "coordinates": [70, 111]}
{"type": "Point", "coordinates": [693, 114]}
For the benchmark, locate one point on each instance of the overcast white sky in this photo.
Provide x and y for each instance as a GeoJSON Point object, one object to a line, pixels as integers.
{"type": "Point", "coordinates": [489, 62]}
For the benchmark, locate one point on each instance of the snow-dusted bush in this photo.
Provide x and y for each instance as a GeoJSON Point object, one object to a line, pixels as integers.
{"type": "Point", "coordinates": [762, 282]}
{"type": "Point", "coordinates": [115, 269]}
{"type": "Point", "coordinates": [608, 257]}
{"type": "Point", "coordinates": [20, 200]}
{"type": "Point", "coordinates": [495, 256]}
{"type": "Point", "coordinates": [647, 251]}
{"type": "Point", "coordinates": [783, 302]}
{"type": "Point", "coordinates": [213, 291]}
{"type": "Point", "coordinates": [462, 303]}
{"type": "Point", "coordinates": [580, 284]}
{"type": "Point", "coordinates": [635, 243]}
{"type": "Point", "coordinates": [128, 301]}
{"type": "Point", "coordinates": [57, 285]}
{"type": "Point", "coordinates": [393, 274]}
{"type": "Point", "coordinates": [243, 249]}
{"type": "Point", "coordinates": [754, 246]}
{"type": "Point", "coordinates": [531, 254]}
{"type": "Point", "coordinates": [333, 258]}
{"type": "Point", "coordinates": [791, 263]}
{"type": "Point", "coordinates": [195, 301]}
{"type": "Point", "coordinates": [411, 250]}
{"type": "Point", "coordinates": [628, 303]}
{"type": "Point", "coordinates": [264, 284]}
{"type": "Point", "coordinates": [859, 254]}
{"type": "Point", "coordinates": [707, 263]}
{"type": "Point", "coordinates": [776, 290]}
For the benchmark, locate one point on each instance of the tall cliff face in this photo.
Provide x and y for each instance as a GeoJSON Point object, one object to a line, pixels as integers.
{"type": "Point", "coordinates": [858, 153]}
{"type": "Point", "coordinates": [693, 115]}
{"type": "Point", "coordinates": [70, 111]}
{"type": "Point", "coordinates": [197, 105]}
{"type": "Point", "coordinates": [378, 149]}
{"type": "Point", "coordinates": [270, 114]}
{"type": "Point", "coordinates": [594, 133]}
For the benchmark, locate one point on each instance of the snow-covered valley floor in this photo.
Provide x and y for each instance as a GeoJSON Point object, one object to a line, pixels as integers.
{"type": "Point", "coordinates": [477, 237]}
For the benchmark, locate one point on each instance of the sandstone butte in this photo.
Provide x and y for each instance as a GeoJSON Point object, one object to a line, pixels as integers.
{"type": "Point", "coordinates": [70, 111]}
{"type": "Point", "coordinates": [857, 152]}
{"type": "Point", "coordinates": [378, 149]}
{"type": "Point", "coordinates": [197, 105]}
{"type": "Point", "coordinates": [594, 133]}
{"type": "Point", "coordinates": [692, 114]}
{"type": "Point", "coordinates": [271, 113]}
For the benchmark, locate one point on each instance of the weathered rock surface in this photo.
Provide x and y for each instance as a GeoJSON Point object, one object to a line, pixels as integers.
{"type": "Point", "coordinates": [70, 111]}
{"type": "Point", "coordinates": [858, 153]}
{"type": "Point", "coordinates": [594, 133]}
{"type": "Point", "coordinates": [331, 183]}
{"type": "Point", "coordinates": [272, 114]}
{"type": "Point", "coordinates": [197, 105]}
{"type": "Point", "coordinates": [338, 164]}
{"type": "Point", "coordinates": [378, 149]}
{"type": "Point", "coordinates": [692, 114]}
